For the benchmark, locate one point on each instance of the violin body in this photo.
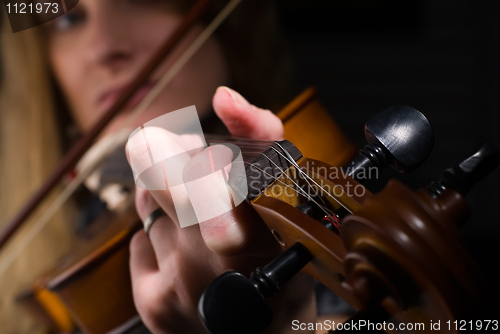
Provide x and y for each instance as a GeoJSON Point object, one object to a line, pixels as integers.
{"type": "Point", "coordinates": [101, 262]}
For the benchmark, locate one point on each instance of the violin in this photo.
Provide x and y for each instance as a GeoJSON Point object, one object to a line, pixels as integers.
{"type": "Point", "coordinates": [88, 287]}
{"type": "Point", "coordinates": [335, 254]}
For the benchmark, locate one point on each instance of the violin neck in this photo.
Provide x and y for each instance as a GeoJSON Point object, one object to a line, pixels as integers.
{"type": "Point", "coordinates": [263, 161]}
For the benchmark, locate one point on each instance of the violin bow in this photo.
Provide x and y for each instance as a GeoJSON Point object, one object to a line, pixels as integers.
{"type": "Point", "coordinates": [79, 149]}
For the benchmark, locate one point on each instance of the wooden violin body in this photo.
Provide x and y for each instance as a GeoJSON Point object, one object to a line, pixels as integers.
{"type": "Point", "coordinates": [90, 284]}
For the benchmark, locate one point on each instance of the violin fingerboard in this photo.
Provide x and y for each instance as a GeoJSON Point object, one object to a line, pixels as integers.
{"type": "Point", "coordinates": [262, 170]}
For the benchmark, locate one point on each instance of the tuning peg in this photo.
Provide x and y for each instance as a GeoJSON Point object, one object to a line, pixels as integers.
{"type": "Point", "coordinates": [400, 137]}
{"type": "Point", "coordinates": [467, 173]}
{"type": "Point", "coordinates": [232, 300]}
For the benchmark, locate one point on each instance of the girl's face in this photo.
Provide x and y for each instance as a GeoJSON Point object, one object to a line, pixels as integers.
{"type": "Point", "coordinates": [96, 50]}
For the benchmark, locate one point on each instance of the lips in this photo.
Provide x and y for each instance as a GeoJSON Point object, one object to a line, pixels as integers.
{"type": "Point", "coordinates": [109, 98]}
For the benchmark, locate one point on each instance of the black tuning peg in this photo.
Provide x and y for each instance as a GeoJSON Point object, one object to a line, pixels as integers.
{"type": "Point", "coordinates": [232, 299]}
{"type": "Point", "coordinates": [400, 137]}
{"type": "Point", "coordinates": [467, 173]}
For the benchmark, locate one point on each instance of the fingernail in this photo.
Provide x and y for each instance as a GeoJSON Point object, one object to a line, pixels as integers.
{"type": "Point", "coordinates": [235, 96]}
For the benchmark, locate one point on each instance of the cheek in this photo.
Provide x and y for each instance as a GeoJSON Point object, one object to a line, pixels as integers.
{"type": "Point", "coordinates": [66, 67]}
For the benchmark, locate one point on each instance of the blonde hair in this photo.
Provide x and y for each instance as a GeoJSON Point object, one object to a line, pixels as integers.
{"type": "Point", "coordinates": [29, 150]}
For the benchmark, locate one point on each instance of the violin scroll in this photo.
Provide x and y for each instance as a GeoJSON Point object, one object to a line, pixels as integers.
{"type": "Point", "coordinates": [403, 245]}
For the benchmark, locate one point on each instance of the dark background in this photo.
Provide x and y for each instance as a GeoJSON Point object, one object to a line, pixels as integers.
{"type": "Point", "coordinates": [438, 56]}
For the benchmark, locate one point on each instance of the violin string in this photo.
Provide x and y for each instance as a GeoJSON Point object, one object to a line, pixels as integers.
{"type": "Point", "coordinates": [300, 171]}
{"type": "Point", "coordinates": [225, 138]}
{"type": "Point", "coordinates": [136, 112]}
{"type": "Point", "coordinates": [243, 142]}
{"type": "Point", "coordinates": [278, 180]}
{"type": "Point", "coordinates": [305, 194]}
{"type": "Point", "coordinates": [292, 161]}
{"type": "Point", "coordinates": [306, 179]}
{"type": "Point", "coordinates": [323, 208]}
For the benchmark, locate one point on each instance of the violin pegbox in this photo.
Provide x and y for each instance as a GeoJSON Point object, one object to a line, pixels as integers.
{"type": "Point", "coordinates": [399, 137]}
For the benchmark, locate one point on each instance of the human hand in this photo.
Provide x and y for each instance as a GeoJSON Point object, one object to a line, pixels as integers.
{"type": "Point", "coordinates": [171, 269]}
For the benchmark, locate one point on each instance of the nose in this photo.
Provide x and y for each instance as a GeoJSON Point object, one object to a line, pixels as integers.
{"type": "Point", "coordinates": [108, 41]}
